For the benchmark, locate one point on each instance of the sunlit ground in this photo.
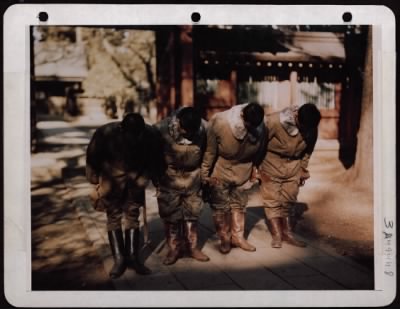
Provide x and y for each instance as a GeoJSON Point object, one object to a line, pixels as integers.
{"type": "Point", "coordinates": [67, 234]}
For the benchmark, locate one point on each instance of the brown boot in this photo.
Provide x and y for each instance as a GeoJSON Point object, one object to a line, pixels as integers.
{"type": "Point", "coordinates": [287, 233]}
{"type": "Point", "coordinates": [275, 227]}
{"type": "Point", "coordinates": [237, 229]}
{"type": "Point", "coordinates": [222, 226]}
{"type": "Point", "coordinates": [191, 238]}
{"type": "Point", "coordinates": [174, 243]}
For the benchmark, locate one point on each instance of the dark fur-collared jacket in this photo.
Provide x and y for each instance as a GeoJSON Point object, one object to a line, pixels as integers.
{"type": "Point", "coordinates": [108, 155]}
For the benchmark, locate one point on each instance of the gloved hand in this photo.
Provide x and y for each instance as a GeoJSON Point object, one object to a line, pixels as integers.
{"type": "Point", "coordinates": [264, 177]}
{"type": "Point", "coordinates": [255, 176]}
{"type": "Point", "coordinates": [96, 197]}
{"type": "Point", "coordinates": [211, 181]}
{"type": "Point", "coordinates": [155, 181]}
{"type": "Point", "coordinates": [92, 176]}
{"type": "Point", "coordinates": [206, 187]}
{"type": "Point", "coordinates": [305, 174]}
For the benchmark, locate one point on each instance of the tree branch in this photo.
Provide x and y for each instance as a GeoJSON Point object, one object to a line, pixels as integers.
{"type": "Point", "coordinates": [126, 75]}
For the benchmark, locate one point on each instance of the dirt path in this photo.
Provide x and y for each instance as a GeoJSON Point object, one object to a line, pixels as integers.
{"type": "Point", "coordinates": [332, 210]}
{"type": "Point", "coordinates": [63, 257]}
{"type": "Point", "coordinates": [339, 213]}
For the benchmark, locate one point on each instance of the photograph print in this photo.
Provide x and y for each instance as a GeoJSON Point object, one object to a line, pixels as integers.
{"type": "Point", "coordinates": [201, 157]}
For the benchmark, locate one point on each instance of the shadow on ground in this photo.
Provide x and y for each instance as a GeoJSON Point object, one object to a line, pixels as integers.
{"type": "Point", "coordinates": [64, 258]}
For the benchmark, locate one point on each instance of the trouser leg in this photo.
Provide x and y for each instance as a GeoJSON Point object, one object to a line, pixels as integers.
{"type": "Point", "coordinates": [192, 205]}
{"type": "Point", "coordinates": [238, 201]}
{"type": "Point", "coordinates": [135, 200]}
{"type": "Point", "coordinates": [288, 235]}
{"type": "Point", "coordinates": [237, 230]}
{"type": "Point", "coordinates": [190, 228]}
{"type": "Point", "coordinates": [173, 237]}
{"type": "Point", "coordinates": [110, 197]}
{"type": "Point", "coordinates": [274, 225]}
{"type": "Point", "coordinates": [170, 212]}
{"type": "Point", "coordinates": [271, 192]}
{"type": "Point", "coordinates": [222, 226]}
{"type": "Point", "coordinates": [290, 190]}
{"type": "Point", "coordinates": [219, 202]}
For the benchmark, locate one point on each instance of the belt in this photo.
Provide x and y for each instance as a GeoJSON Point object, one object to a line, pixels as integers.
{"type": "Point", "coordinates": [182, 171]}
{"type": "Point", "coordinates": [287, 158]}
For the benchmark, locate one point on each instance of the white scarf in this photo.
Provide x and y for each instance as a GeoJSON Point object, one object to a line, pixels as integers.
{"type": "Point", "coordinates": [235, 120]}
{"type": "Point", "coordinates": [288, 120]}
{"type": "Point", "coordinates": [234, 116]}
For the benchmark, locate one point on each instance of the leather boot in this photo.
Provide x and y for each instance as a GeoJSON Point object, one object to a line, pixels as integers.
{"type": "Point", "coordinates": [191, 239]}
{"type": "Point", "coordinates": [116, 240]}
{"type": "Point", "coordinates": [275, 227]}
{"type": "Point", "coordinates": [132, 249]}
{"type": "Point", "coordinates": [174, 243]}
{"type": "Point", "coordinates": [237, 229]}
{"type": "Point", "coordinates": [287, 234]}
{"type": "Point", "coordinates": [222, 226]}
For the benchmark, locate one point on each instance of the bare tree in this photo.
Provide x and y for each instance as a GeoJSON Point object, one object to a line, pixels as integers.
{"type": "Point", "coordinates": [133, 52]}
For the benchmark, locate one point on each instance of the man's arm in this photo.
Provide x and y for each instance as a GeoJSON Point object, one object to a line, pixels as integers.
{"type": "Point", "coordinates": [262, 151]}
{"type": "Point", "coordinates": [311, 141]}
{"type": "Point", "coordinates": [260, 155]}
{"type": "Point", "coordinates": [157, 147]}
{"type": "Point", "coordinates": [211, 152]}
{"type": "Point", "coordinates": [93, 160]}
{"type": "Point", "coordinates": [270, 122]}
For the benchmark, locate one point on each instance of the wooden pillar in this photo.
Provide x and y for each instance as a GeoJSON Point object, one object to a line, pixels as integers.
{"type": "Point", "coordinates": [234, 88]}
{"type": "Point", "coordinates": [174, 69]}
{"type": "Point", "coordinates": [350, 106]}
{"type": "Point", "coordinates": [33, 104]}
{"type": "Point", "coordinates": [186, 74]}
{"type": "Point", "coordinates": [293, 88]}
{"type": "Point", "coordinates": [78, 33]}
{"type": "Point", "coordinates": [165, 88]}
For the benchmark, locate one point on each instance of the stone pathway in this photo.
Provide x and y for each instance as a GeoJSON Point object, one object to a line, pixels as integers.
{"type": "Point", "coordinates": [288, 268]}
{"type": "Point", "coordinates": [310, 268]}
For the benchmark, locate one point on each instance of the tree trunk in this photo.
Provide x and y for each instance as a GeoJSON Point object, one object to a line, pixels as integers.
{"type": "Point", "coordinates": [362, 170]}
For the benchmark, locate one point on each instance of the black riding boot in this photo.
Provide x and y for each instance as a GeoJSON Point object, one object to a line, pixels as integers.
{"type": "Point", "coordinates": [132, 249]}
{"type": "Point", "coordinates": [116, 240]}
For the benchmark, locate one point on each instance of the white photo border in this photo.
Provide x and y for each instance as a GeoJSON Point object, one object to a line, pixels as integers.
{"type": "Point", "coordinates": [17, 229]}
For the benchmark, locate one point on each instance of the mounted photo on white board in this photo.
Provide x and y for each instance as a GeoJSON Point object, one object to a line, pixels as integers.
{"type": "Point", "coordinates": [275, 204]}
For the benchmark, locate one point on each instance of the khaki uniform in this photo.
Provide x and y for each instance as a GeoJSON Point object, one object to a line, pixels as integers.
{"type": "Point", "coordinates": [230, 157]}
{"type": "Point", "coordinates": [231, 153]}
{"type": "Point", "coordinates": [179, 191]}
{"type": "Point", "coordinates": [284, 165]}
